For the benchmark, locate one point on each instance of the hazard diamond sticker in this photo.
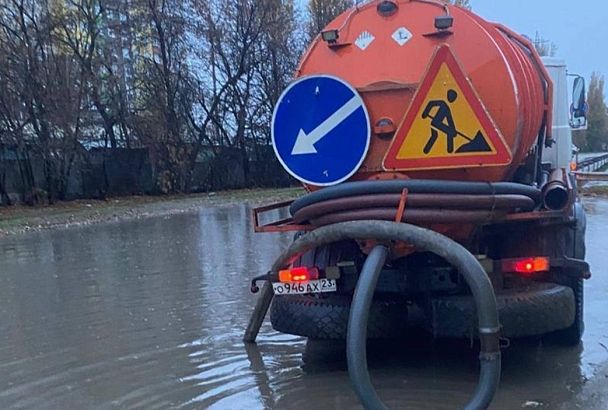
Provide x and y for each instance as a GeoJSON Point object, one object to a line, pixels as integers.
{"type": "Point", "coordinates": [447, 125]}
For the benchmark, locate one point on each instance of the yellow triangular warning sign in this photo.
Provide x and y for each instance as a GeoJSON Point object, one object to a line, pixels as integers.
{"type": "Point", "coordinates": [447, 125]}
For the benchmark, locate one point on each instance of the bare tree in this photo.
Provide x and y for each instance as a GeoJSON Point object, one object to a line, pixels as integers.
{"type": "Point", "coordinates": [544, 47]}
{"type": "Point", "coordinates": [84, 29]}
{"type": "Point", "coordinates": [162, 76]}
{"type": "Point", "coordinates": [321, 12]}
{"type": "Point", "coordinates": [176, 77]}
{"type": "Point", "coordinates": [246, 44]}
{"type": "Point", "coordinates": [465, 4]}
{"type": "Point", "coordinates": [278, 51]}
{"type": "Point", "coordinates": [48, 86]}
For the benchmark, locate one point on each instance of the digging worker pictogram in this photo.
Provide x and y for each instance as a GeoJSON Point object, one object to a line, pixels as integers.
{"type": "Point", "coordinates": [443, 122]}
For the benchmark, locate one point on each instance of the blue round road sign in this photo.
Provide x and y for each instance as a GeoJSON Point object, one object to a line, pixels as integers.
{"type": "Point", "coordinates": [320, 130]}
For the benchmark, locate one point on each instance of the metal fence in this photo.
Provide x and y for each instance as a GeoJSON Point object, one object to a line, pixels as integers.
{"type": "Point", "coordinates": [592, 164]}
{"type": "Point", "coordinates": [104, 172]}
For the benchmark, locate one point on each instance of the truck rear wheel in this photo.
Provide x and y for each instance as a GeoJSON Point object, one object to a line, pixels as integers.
{"type": "Point", "coordinates": [571, 336]}
{"type": "Point", "coordinates": [535, 309]}
{"type": "Point", "coordinates": [575, 247]}
{"type": "Point", "coordinates": [327, 317]}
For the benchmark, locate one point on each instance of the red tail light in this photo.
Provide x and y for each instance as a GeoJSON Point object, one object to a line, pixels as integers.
{"type": "Point", "coordinates": [526, 266]}
{"type": "Point", "coordinates": [299, 274]}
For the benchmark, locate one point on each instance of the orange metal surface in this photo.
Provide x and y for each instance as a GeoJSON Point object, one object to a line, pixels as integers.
{"type": "Point", "coordinates": [502, 67]}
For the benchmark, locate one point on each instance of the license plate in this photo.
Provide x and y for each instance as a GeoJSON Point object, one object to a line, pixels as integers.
{"type": "Point", "coordinates": [300, 288]}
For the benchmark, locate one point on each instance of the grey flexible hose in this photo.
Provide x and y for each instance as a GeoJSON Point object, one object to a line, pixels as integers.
{"type": "Point", "coordinates": [423, 239]}
{"type": "Point", "coordinates": [419, 186]}
{"type": "Point", "coordinates": [356, 336]}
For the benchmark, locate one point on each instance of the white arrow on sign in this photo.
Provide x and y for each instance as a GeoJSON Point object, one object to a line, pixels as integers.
{"type": "Point", "coordinates": [305, 143]}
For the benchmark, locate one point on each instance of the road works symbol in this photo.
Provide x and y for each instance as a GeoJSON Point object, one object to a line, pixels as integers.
{"type": "Point", "coordinates": [444, 122]}
{"type": "Point", "coordinates": [447, 125]}
{"type": "Point", "coordinates": [321, 130]}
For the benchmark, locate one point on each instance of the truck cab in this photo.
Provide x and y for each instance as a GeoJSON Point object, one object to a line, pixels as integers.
{"type": "Point", "coordinates": [559, 153]}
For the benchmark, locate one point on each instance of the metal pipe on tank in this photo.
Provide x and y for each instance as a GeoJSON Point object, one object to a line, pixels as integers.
{"type": "Point", "coordinates": [544, 178]}
{"type": "Point", "coordinates": [556, 192]}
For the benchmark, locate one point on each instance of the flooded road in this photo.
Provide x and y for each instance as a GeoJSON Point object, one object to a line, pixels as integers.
{"type": "Point", "coordinates": [150, 314]}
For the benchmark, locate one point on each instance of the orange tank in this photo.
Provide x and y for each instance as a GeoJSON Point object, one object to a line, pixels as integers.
{"type": "Point", "coordinates": [502, 68]}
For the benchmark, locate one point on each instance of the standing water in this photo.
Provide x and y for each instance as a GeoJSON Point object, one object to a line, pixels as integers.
{"type": "Point", "coordinates": [150, 314]}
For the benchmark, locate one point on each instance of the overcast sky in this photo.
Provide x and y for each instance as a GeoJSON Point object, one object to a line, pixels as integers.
{"type": "Point", "coordinates": [578, 28]}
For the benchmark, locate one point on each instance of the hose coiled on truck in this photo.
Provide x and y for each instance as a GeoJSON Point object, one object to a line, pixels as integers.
{"type": "Point", "coordinates": [428, 201]}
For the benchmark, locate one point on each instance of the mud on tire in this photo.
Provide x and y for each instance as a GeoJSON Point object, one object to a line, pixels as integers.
{"type": "Point", "coordinates": [327, 318]}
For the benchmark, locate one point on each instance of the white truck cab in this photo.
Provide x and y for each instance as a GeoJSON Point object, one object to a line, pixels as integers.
{"type": "Point", "coordinates": [566, 116]}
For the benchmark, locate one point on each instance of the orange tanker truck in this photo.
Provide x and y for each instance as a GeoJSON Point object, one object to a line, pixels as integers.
{"type": "Point", "coordinates": [435, 148]}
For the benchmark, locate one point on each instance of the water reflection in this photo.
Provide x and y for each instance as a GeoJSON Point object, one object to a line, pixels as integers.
{"type": "Point", "coordinates": [150, 314]}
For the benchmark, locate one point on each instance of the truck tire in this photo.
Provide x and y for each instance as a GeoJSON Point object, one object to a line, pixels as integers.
{"type": "Point", "coordinates": [327, 318]}
{"type": "Point", "coordinates": [575, 248]}
{"type": "Point", "coordinates": [537, 309]}
{"type": "Point", "coordinates": [571, 336]}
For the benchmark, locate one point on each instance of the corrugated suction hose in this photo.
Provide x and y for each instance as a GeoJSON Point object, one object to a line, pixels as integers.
{"type": "Point", "coordinates": [427, 202]}
{"type": "Point", "coordinates": [383, 231]}
{"type": "Point", "coordinates": [468, 267]}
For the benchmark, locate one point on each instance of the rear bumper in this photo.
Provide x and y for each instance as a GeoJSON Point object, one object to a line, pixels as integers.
{"type": "Point", "coordinates": [535, 310]}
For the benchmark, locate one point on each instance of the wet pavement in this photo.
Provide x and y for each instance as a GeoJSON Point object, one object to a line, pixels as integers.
{"type": "Point", "coordinates": [150, 314]}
